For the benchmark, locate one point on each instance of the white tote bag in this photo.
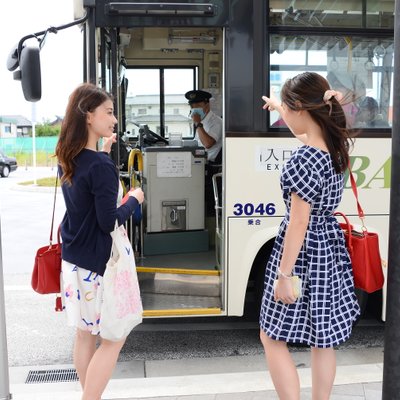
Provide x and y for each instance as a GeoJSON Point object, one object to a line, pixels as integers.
{"type": "Point", "coordinates": [121, 308]}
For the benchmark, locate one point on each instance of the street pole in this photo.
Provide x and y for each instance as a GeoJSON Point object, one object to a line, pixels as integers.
{"type": "Point", "coordinates": [33, 116]}
{"type": "Point", "coordinates": [4, 377]}
{"type": "Point", "coordinates": [391, 359]}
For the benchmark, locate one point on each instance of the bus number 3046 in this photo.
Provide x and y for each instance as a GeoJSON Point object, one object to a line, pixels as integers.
{"type": "Point", "coordinates": [253, 209]}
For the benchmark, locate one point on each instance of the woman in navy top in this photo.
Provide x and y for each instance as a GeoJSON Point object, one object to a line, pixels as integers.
{"type": "Point", "coordinates": [90, 186]}
{"type": "Point", "coordinates": [310, 242]}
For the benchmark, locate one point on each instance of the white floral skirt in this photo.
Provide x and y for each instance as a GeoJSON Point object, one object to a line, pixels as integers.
{"type": "Point", "coordinates": [81, 297]}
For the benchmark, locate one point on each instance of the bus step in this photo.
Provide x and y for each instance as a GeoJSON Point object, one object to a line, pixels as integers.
{"type": "Point", "coordinates": [174, 292]}
{"type": "Point", "coordinates": [182, 312]}
{"type": "Point", "coordinates": [163, 305]}
{"type": "Point", "coordinates": [174, 281]}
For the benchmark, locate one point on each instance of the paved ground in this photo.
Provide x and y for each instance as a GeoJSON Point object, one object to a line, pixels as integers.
{"type": "Point", "coordinates": [232, 378]}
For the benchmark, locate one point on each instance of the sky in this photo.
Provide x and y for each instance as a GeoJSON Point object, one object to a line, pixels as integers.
{"type": "Point", "coordinates": [60, 57]}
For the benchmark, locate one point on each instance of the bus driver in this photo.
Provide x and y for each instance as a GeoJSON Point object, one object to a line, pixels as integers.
{"type": "Point", "coordinates": [208, 125]}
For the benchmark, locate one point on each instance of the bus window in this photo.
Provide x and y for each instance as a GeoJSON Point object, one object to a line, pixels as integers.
{"type": "Point", "coordinates": [361, 68]}
{"type": "Point", "coordinates": [142, 100]}
{"type": "Point", "coordinates": [156, 98]}
{"type": "Point", "coordinates": [331, 13]}
{"type": "Point", "coordinates": [177, 81]}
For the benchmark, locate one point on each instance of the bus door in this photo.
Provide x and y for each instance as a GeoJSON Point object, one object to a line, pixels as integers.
{"type": "Point", "coordinates": [179, 239]}
{"type": "Point", "coordinates": [179, 272]}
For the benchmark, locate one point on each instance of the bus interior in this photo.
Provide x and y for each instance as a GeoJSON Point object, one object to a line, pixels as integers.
{"type": "Point", "coordinates": [179, 239]}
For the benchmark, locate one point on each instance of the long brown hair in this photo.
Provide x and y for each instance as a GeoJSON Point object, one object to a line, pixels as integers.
{"type": "Point", "coordinates": [306, 92]}
{"type": "Point", "coordinates": [74, 130]}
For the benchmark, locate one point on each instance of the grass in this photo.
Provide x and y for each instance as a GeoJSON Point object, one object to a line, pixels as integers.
{"type": "Point", "coordinates": [48, 182]}
{"type": "Point", "coordinates": [43, 159]}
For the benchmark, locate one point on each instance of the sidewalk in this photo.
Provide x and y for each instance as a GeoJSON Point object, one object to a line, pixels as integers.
{"type": "Point", "coordinates": [359, 376]}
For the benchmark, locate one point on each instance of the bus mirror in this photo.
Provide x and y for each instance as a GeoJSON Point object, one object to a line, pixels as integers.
{"type": "Point", "coordinates": [12, 59]}
{"type": "Point", "coordinates": [29, 73]}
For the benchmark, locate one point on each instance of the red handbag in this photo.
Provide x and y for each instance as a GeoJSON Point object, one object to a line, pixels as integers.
{"type": "Point", "coordinates": [46, 272]}
{"type": "Point", "coordinates": [47, 268]}
{"type": "Point", "coordinates": [363, 248]}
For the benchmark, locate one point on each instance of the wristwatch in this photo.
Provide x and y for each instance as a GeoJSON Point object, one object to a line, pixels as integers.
{"type": "Point", "coordinates": [199, 125]}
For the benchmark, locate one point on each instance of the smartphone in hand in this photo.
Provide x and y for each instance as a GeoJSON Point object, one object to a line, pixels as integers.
{"type": "Point", "coordinates": [125, 198]}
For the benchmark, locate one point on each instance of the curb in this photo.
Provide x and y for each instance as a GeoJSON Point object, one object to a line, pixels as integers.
{"type": "Point", "coordinates": [34, 188]}
{"type": "Point", "coordinates": [244, 382]}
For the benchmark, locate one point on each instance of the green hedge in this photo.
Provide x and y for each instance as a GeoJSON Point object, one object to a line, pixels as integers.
{"type": "Point", "coordinates": [21, 149]}
{"type": "Point", "coordinates": [24, 145]}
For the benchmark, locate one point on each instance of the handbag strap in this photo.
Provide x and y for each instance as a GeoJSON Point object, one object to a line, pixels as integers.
{"type": "Point", "coordinates": [355, 192]}
{"type": "Point", "coordinates": [52, 217]}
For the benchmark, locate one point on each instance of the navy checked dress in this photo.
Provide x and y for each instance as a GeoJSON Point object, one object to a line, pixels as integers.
{"type": "Point", "coordinates": [324, 315]}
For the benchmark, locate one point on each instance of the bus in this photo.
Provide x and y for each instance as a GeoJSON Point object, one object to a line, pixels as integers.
{"type": "Point", "coordinates": [197, 260]}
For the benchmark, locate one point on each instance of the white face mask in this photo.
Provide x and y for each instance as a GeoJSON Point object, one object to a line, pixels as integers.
{"type": "Point", "coordinates": [199, 111]}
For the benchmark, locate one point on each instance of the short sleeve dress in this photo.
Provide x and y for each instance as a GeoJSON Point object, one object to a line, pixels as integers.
{"type": "Point", "coordinates": [324, 315]}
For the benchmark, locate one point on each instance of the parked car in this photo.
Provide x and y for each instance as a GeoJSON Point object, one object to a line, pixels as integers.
{"type": "Point", "coordinates": [7, 164]}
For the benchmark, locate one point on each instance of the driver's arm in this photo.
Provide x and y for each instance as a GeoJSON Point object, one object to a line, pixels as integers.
{"type": "Point", "coordinates": [204, 137]}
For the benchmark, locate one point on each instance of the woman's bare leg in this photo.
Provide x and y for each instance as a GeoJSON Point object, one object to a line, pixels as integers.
{"type": "Point", "coordinates": [84, 348]}
{"type": "Point", "coordinates": [101, 368]}
{"type": "Point", "coordinates": [281, 368]}
{"type": "Point", "coordinates": [323, 366]}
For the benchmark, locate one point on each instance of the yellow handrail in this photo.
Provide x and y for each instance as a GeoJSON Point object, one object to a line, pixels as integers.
{"type": "Point", "coordinates": [135, 153]}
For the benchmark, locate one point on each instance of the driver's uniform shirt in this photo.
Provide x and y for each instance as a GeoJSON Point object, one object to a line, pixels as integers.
{"type": "Point", "coordinates": [212, 124]}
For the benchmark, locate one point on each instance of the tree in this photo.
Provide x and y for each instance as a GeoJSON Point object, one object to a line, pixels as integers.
{"type": "Point", "coordinates": [46, 129]}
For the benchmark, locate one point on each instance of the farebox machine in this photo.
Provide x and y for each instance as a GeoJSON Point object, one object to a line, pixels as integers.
{"type": "Point", "coordinates": [173, 179]}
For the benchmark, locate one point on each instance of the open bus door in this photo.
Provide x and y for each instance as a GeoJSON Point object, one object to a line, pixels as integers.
{"type": "Point", "coordinates": [150, 56]}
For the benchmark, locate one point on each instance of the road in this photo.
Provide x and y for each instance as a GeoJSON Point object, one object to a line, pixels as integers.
{"type": "Point", "coordinates": [25, 218]}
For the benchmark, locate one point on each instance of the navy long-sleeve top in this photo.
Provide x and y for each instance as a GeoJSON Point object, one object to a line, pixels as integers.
{"type": "Point", "coordinates": [91, 203]}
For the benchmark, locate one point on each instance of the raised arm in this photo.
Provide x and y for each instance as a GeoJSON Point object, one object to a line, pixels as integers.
{"type": "Point", "coordinates": [273, 104]}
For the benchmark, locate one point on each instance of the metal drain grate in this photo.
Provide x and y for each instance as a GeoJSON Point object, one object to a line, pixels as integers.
{"type": "Point", "coordinates": [52, 376]}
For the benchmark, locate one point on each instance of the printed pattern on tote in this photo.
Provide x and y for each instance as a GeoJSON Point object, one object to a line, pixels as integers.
{"type": "Point", "coordinates": [125, 289]}
{"type": "Point", "coordinates": [324, 315]}
{"type": "Point", "coordinates": [121, 308]}
{"type": "Point", "coordinates": [127, 301]}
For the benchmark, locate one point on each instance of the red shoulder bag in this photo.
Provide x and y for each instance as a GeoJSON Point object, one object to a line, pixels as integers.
{"type": "Point", "coordinates": [46, 272]}
{"type": "Point", "coordinates": [363, 248]}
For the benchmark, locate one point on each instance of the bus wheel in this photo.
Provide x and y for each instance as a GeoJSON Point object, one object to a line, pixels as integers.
{"type": "Point", "coordinates": [362, 298]}
{"type": "Point", "coordinates": [258, 272]}
{"type": "Point", "coordinates": [254, 295]}
{"type": "Point", "coordinates": [259, 283]}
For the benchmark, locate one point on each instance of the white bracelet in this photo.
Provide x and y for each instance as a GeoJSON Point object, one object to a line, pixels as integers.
{"type": "Point", "coordinates": [283, 275]}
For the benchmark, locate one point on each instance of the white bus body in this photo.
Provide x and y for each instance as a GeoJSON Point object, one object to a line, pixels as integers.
{"type": "Point", "coordinates": [148, 55]}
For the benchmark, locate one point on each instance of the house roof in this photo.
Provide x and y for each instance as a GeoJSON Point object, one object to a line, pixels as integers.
{"type": "Point", "coordinates": [57, 121]}
{"type": "Point", "coordinates": [18, 120]}
{"type": "Point", "coordinates": [6, 120]}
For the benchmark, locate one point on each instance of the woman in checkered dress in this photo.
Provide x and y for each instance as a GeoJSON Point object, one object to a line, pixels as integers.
{"type": "Point", "coordinates": [310, 243]}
